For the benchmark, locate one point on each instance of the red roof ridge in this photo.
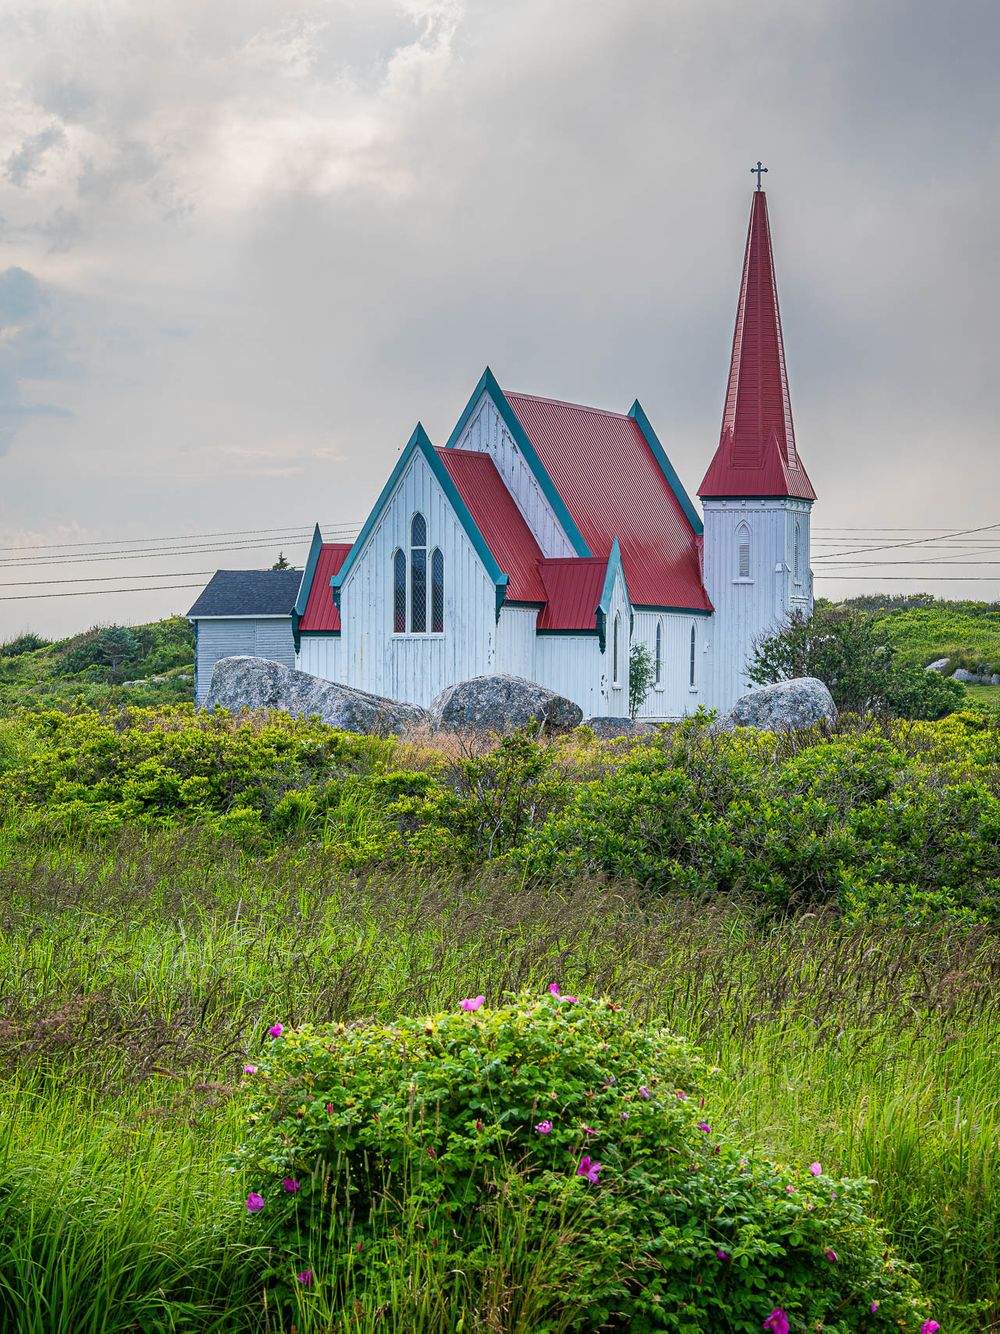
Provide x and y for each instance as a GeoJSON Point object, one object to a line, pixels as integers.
{"type": "Point", "coordinates": [563, 403]}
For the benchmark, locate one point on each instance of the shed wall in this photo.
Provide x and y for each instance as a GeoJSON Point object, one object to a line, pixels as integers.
{"type": "Point", "coordinates": [239, 636]}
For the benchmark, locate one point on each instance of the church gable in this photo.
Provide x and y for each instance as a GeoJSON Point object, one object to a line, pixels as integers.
{"type": "Point", "coordinates": [488, 426]}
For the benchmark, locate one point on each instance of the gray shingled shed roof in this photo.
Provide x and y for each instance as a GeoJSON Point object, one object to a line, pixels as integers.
{"type": "Point", "coordinates": [248, 593]}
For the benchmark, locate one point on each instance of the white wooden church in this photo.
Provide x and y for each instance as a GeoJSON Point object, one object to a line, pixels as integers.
{"type": "Point", "coordinates": [546, 538]}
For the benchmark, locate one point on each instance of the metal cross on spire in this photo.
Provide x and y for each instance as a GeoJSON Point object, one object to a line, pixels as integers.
{"type": "Point", "coordinates": [758, 171]}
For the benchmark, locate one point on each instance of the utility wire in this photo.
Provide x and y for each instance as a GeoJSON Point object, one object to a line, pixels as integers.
{"type": "Point", "coordinates": [93, 592]}
{"type": "Point", "coordinates": [148, 555]}
{"type": "Point", "coordinates": [110, 578]}
{"type": "Point", "coordinates": [914, 542]}
{"type": "Point", "coordinates": [177, 537]}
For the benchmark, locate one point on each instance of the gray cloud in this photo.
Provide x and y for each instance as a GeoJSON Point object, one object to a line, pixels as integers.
{"type": "Point", "coordinates": [349, 209]}
{"type": "Point", "coordinates": [26, 161]}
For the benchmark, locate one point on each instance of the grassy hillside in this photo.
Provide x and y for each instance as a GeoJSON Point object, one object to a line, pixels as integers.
{"type": "Point", "coordinates": [140, 664]}
{"type": "Point", "coordinates": [922, 629]}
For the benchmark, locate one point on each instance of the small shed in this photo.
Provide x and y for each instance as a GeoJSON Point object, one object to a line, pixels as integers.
{"type": "Point", "coordinates": [243, 612]}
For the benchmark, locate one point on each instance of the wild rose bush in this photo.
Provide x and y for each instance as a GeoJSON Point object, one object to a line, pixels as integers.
{"type": "Point", "coordinates": [587, 1138]}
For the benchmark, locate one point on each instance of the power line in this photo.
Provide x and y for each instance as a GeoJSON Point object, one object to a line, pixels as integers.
{"type": "Point", "coordinates": [176, 537]}
{"type": "Point", "coordinates": [109, 578]}
{"type": "Point", "coordinates": [94, 592]}
{"type": "Point", "coordinates": [915, 542]}
{"type": "Point", "coordinates": [148, 555]}
{"type": "Point", "coordinates": [912, 578]}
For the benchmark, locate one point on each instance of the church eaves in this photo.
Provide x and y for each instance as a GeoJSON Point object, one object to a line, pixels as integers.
{"type": "Point", "coordinates": [757, 454]}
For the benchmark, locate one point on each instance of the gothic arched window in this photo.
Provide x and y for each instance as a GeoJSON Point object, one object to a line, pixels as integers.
{"type": "Point", "coordinates": [797, 563]}
{"type": "Point", "coordinates": [616, 636]}
{"type": "Point", "coordinates": [658, 655]}
{"type": "Point", "coordinates": [437, 592]}
{"type": "Point", "coordinates": [694, 640]}
{"type": "Point", "coordinates": [418, 575]}
{"type": "Point", "coordinates": [743, 551]}
{"type": "Point", "coordinates": [398, 592]}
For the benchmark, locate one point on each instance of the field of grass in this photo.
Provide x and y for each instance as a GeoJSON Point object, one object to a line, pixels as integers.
{"type": "Point", "coordinates": [967, 633]}
{"type": "Point", "coordinates": [138, 979]}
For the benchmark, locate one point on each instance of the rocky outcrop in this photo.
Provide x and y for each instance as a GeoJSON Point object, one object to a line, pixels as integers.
{"type": "Point", "coordinates": [976, 678]}
{"type": "Point", "coordinates": [256, 683]}
{"type": "Point", "coordinates": [501, 703]}
{"type": "Point", "coordinates": [610, 728]}
{"type": "Point", "coordinates": [785, 706]}
{"type": "Point", "coordinates": [938, 665]}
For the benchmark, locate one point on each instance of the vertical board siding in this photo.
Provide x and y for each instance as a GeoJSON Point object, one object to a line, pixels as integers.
{"type": "Point", "coordinates": [674, 698]}
{"type": "Point", "coordinates": [486, 433]}
{"type": "Point", "coordinates": [240, 636]}
{"type": "Point", "coordinates": [746, 609]}
{"type": "Point", "coordinates": [412, 667]}
{"type": "Point", "coordinates": [574, 666]}
{"type": "Point", "coordinates": [515, 651]}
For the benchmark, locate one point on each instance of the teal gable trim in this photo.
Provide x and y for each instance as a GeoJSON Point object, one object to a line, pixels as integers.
{"type": "Point", "coordinates": [305, 584]}
{"type": "Point", "coordinates": [420, 443]}
{"type": "Point", "coordinates": [488, 385]}
{"type": "Point", "coordinates": [320, 634]}
{"type": "Point", "coordinates": [659, 453]}
{"type": "Point", "coordinates": [615, 568]}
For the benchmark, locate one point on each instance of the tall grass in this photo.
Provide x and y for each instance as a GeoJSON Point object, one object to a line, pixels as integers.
{"type": "Point", "coordinates": [135, 980]}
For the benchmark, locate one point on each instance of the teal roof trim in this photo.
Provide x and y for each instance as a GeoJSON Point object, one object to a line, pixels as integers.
{"type": "Point", "coordinates": [638, 415]}
{"type": "Point", "coordinates": [488, 385]}
{"type": "Point", "coordinates": [615, 567]}
{"type": "Point", "coordinates": [305, 583]}
{"type": "Point", "coordinates": [420, 443]}
{"type": "Point", "coordinates": [676, 611]}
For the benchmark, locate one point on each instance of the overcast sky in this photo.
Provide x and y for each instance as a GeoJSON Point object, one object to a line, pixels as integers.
{"type": "Point", "coordinates": [246, 244]}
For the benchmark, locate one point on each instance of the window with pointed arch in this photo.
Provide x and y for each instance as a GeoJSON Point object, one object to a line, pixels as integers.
{"type": "Point", "coordinates": [437, 592]}
{"type": "Point", "coordinates": [398, 592]}
{"type": "Point", "coordinates": [797, 556]}
{"type": "Point", "coordinates": [692, 682]}
{"type": "Point", "coordinates": [616, 637]}
{"type": "Point", "coordinates": [743, 551]}
{"type": "Point", "coordinates": [658, 656]}
{"type": "Point", "coordinates": [418, 575]}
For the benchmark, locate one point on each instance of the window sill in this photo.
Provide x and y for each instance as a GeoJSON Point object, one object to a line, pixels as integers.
{"type": "Point", "coordinates": [693, 690]}
{"type": "Point", "coordinates": [744, 581]}
{"type": "Point", "coordinates": [414, 634]}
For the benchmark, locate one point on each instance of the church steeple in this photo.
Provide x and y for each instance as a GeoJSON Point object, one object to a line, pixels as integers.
{"type": "Point", "coordinates": [757, 455]}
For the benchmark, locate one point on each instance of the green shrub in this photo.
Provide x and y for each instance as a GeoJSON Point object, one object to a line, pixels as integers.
{"type": "Point", "coordinates": [27, 643]}
{"type": "Point", "coordinates": [583, 1132]}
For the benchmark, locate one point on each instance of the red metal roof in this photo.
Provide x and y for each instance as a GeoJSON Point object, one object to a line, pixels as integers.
{"type": "Point", "coordinates": [321, 612]}
{"type": "Point", "coordinates": [573, 589]}
{"type": "Point", "coordinates": [498, 518]}
{"type": "Point", "coordinates": [757, 454]}
{"type": "Point", "coordinates": [610, 481]}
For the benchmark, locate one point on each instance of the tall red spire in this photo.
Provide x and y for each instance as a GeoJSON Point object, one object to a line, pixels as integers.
{"type": "Point", "coordinates": [757, 454]}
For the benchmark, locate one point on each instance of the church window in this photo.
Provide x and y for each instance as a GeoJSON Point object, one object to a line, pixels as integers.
{"type": "Point", "coordinates": [437, 592]}
{"type": "Point", "coordinates": [743, 551]}
{"type": "Point", "coordinates": [798, 551]}
{"type": "Point", "coordinates": [418, 575]}
{"type": "Point", "coordinates": [399, 592]}
{"type": "Point", "coordinates": [691, 673]}
{"type": "Point", "coordinates": [658, 655]}
{"type": "Point", "coordinates": [616, 636]}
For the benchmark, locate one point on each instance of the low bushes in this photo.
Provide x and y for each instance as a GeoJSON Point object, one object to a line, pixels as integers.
{"type": "Point", "coordinates": [588, 1135]}
{"type": "Point", "coordinates": [902, 816]}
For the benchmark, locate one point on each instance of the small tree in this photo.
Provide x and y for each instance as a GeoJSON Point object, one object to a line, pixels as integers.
{"type": "Point", "coordinates": [117, 648]}
{"type": "Point", "coordinates": [844, 649]}
{"type": "Point", "coordinates": [281, 563]}
{"type": "Point", "coordinates": [641, 674]}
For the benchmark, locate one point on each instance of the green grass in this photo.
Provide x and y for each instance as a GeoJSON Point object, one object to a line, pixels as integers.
{"type": "Point", "coordinates": [137, 979]}
{"type": "Point", "coordinates": [968, 634]}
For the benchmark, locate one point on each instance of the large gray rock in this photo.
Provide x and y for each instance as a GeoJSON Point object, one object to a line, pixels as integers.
{"type": "Point", "coordinates": [501, 703]}
{"type": "Point", "coordinates": [257, 683]}
{"type": "Point", "coordinates": [785, 706]}
{"type": "Point", "coordinates": [610, 728]}
{"type": "Point", "coordinates": [938, 665]}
